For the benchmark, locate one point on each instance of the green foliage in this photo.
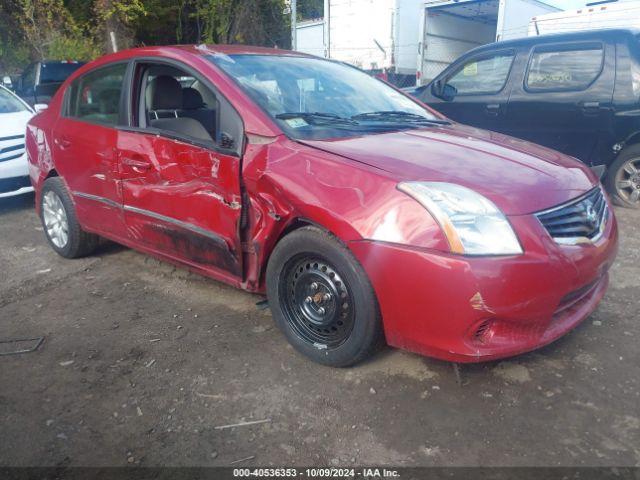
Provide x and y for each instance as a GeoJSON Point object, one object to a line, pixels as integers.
{"type": "Point", "coordinates": [124, 11]}
{"type": "Point", "coordinates": [13, 56]}
{"type": "Point", "coordinates": [73, 48]}
{"type": "Point", "coordinates": [310, 9]}
{"type": "Point", "coordinates": [80, 29]}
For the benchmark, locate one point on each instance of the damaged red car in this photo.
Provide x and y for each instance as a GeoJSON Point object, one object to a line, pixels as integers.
{"type": "Point", "coordinates": [363, 215]}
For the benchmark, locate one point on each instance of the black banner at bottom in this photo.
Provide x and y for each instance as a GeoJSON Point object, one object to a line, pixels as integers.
{"type": "Point", "coordinates": [414, 473]}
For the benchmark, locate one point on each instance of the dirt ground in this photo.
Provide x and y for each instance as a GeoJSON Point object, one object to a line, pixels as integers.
{"type": "Point", "coordinates": [142, 362]}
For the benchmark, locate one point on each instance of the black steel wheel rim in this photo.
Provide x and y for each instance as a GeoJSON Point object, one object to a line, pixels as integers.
{"type": "Point", "coordinates": [316, 301]}
{"type": "Point", "coordinates": [628, 181]}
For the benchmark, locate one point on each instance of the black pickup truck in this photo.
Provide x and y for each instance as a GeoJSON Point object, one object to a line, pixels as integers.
{"type": "Point", "coordinates": [578, 93]}
{"type": "Point", "coordinates": [40, 80]}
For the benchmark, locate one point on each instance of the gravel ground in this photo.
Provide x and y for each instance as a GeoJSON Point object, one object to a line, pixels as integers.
{"type": "Point", "coordinates": [142, 364]}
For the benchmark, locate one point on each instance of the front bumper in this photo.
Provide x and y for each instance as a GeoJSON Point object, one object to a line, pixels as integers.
{"type": "Point", "coordinates": [472, 309]}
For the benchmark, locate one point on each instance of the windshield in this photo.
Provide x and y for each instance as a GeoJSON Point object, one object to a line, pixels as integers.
{"type": "Point", "coordinates": [9, 103]}
{"type": "Point", "coordinates": [57, 72]}
{"type": "Point", "coordinates": [316, 99]}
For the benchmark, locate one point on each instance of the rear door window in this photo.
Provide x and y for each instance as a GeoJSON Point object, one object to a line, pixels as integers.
{"type": "Point", "coordinates": [487, 75]}
{"type": "Point", "coordinates": [564, 67]}
{"type": "Point", "coordinates": [95, 97]}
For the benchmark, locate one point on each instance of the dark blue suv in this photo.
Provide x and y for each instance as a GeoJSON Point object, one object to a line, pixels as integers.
{"type": "Point", "coordinates": [578, 93]}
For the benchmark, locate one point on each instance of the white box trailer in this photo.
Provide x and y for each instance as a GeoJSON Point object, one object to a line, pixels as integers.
{"type": "Point", "coordinates": [375, 35]}
{"type": "Point", "coordinates": [310, 37]}
{"type": "Point", "coordinates": [593, 17]}
{"type": "Point", "coordinates": [450, 28]}
{"type": "Point", "coordinates": [387, 35]}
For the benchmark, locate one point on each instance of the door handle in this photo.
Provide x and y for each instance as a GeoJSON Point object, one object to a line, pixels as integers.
{"type": "Point", "coordinates": [591, 108]}
{"type": "Point", "coordinates": [493, 108]}
{"type": "Point", "coordinates": [139, 165]}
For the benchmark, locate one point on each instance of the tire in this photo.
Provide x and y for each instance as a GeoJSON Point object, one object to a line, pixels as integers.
{"type": "Point", "coordinates": [623, 178]}
{"type": "Point", "coordinates": [337, 330]}
{"type": "Point", "coordinates": [60, 223]}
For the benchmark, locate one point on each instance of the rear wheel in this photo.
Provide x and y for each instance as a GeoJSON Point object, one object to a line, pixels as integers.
{"type": "Point", "coordinates": [60, 223]}
{"type": "Point", "coordinates": [322, 299]}
{"type": "Point", "coordinates": [623, 178]}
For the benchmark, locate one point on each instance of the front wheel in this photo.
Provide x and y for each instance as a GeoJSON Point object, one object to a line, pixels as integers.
{"type": "Point", "coordinates": [623, 178]}
{"type": "Point", "coordinates": [322, 299]}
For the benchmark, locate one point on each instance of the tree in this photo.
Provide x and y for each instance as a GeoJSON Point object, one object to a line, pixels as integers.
{"type": "Point", "coordinates": [80, 29]}
{"type": "Point", "coordinates": [310, 9]}
{"type": "Point", "coordinates": [117, 17]}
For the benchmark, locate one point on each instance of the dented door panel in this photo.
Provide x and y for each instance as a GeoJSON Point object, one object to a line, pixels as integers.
{"type": "Point", "coordinates": [181, 200]}
{"type": "Point", "coordinates": [85, 158]}
{"type": "Point", "coordinates": [287, 182]}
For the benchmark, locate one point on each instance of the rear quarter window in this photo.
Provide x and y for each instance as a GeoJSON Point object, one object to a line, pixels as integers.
{"type": "Point", "coordinates": [564, 67]}
{"type": "Point", "coordinates": [95, 97]}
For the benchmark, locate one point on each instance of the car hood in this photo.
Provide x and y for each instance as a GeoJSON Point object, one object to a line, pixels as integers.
{"type": "Point", "coordinates": [13, 124]}
{"type": "Point", "coordinates": [518, 176]}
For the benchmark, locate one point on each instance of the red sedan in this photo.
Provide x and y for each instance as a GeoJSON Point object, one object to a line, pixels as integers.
{"type": "Point", "coordinates": [364, 215]}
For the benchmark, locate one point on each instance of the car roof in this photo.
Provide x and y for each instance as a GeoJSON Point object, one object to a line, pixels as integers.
{"type": "Point", "coordinates": [74, 62]}
{"type": "Point", "coordinates": [198, 50]}
{"type": "Point", "coordinates": [206, 49]}
{"type": "Point", "coordinates": [616, 33]}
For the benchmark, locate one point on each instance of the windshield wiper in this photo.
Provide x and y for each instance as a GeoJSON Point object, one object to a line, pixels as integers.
{"type": "Point", "coordinates": [317, 118]}
{"type": "Point", "coordinates": [398, 115]}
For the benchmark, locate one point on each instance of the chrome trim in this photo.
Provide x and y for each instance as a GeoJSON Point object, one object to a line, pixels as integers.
{"type": "Point", "coordinates": [187, 226]}
{"type": "Point", "coordinates": [96, 198]}
{"type": "Point", "coordinates": [585, 240]}
{"type": "Point", "coordinates": [569, 203]}
{"type": "Point", "coordinates": [571, 241]}
{"type": "Point", "coordinates": [140, 211]}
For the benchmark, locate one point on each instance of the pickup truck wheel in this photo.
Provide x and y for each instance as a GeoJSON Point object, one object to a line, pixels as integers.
{"type": "Point", "coordinates": [60, 223]}
{"type": "Point", "coordinates": [322, 300]}
{"type": "Point", "coordinates": [623, 178]}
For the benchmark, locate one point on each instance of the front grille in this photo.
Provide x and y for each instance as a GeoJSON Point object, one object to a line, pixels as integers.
{"type": "Point", "coordinates": [11, 148]}
{"type": "Point", "coordinates": [581, 219]}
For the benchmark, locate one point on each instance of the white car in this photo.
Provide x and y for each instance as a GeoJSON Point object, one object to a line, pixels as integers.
{"type": "Point", "coordinates": [14, 172]}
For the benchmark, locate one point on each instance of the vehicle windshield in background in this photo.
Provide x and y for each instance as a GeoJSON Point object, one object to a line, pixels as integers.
{"type": "Point", "coordinates": [9, 103]}
{"type": "Point", "coordinates": [315, 99]}
{"type": "Point", "coordinates": [57, 72]}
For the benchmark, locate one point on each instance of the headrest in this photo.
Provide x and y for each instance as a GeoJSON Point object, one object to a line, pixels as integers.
{"type": "Point", "coordinates": [191, 99]}
{"type": "Point", "coordinates": [109, 100]}
{"type": "Point", "coordinates": [166, 93]}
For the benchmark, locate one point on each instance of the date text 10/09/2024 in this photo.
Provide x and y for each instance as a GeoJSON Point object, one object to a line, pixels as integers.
{"type": "Point", "coordinates": [316, 472]}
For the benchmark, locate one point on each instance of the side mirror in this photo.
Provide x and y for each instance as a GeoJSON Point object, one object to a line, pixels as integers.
{"type": "Point", "coordinates": [40, 107]}
{"type": "Point", "coordinates": [443, 90]}
{"type": "Point", "coordinates": [449, 92]}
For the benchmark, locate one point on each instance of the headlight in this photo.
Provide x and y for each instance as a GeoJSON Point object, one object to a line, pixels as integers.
{"type": "Point", "coordinates": [472, 224]}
